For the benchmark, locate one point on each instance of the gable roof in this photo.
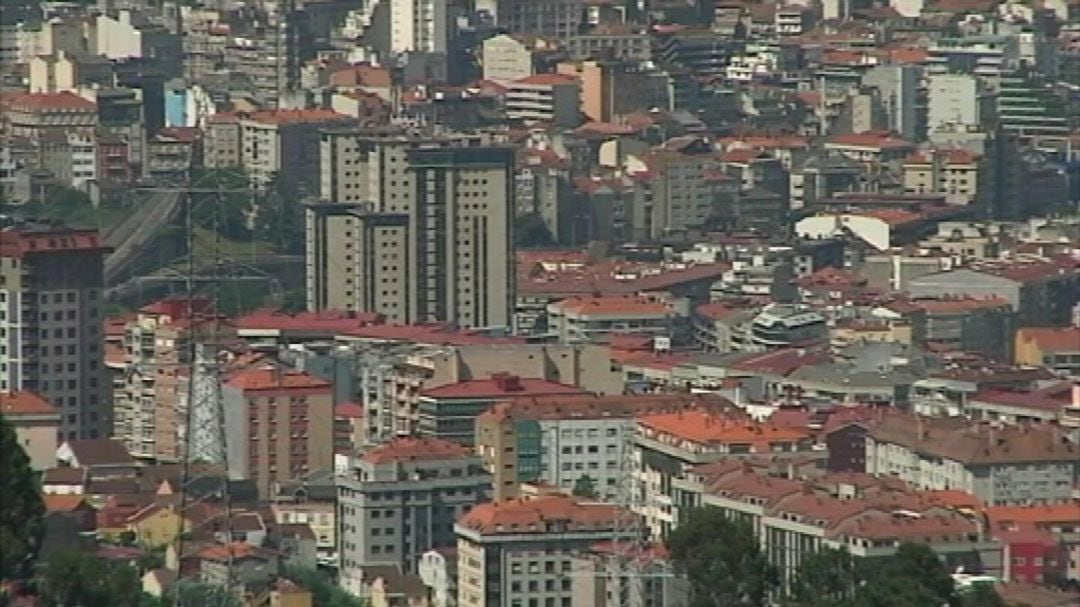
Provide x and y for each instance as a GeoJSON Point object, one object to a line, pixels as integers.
{"type": "Point", "coordinates": [100, 452]}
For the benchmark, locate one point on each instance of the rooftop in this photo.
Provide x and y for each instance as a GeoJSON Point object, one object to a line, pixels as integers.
{"type": "Point", "coordinates": [274, 379]}
{"type": "Point", "coordinates": [588, 406]}
{"type": "Point", "coordinates": [408, 448]}
{"type": "Point", "coordinates": [501, 386]}
{"type": "Point", "coordinates": [281, 117]}
{"type": "Point", "coordinates": [709, 428]}
{"type": "Point", "coordinates": [541, 515]}
{"type": "Point", "coordinates": [50, 102]}
{"type": "Point", "coordinates": [1051, 339]}
{"type": "Point", "coordinates": [612, 306]}
{"type": "Point", "coordinates": [878, 140]}
{"type": "Point", "coordinates": [99, 452]}
{"type": "Point", "coordinates": [25, 403]}
{"type": "Point", "coordinates": [328, 321]}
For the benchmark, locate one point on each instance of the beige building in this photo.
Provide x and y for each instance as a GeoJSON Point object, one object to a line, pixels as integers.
{"type": "Point", "coordinates": [149, 397]}
{"type": "Point", "coordinates": [955, 173]}
{"type": "Point", "coordinates": [282, 422]}
{"type": "Point", "coordinates": [507, 58]}
{"type": "Point", "coordinates": [35, 422]}
{"type": "Point", "coordinates": [415, 230]}
{"type": "Point", "coordinates": [51, 323]}
{"type": "Point", "coordinates": [285, 144]}
{"type": "Point", "coordinates": [37, 116]}
{"type": "Point", "coordinates": [221, 145]}
{"type": "Point", "coordinates": [521, 551]}
{"type": "Point", "coordinates": [596, 319]}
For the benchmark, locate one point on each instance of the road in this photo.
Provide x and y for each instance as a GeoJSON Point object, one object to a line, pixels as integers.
{"type": "Point", "coordinates": [131, 236]}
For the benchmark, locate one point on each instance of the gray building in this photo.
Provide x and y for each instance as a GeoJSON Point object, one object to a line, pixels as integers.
{"type": "Point", "coordinates": [1042, 293]}
{"type": "Point", "coordinates": [51, 340]}
{"type": "Point", "coordinates": [400, 500]}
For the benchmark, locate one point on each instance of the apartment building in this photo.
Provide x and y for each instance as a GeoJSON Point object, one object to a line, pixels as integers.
{"type": "Point", "coordinates": [958, 174]}
{"type": "Point", "coordinates": [596, 319]}
{"type": "Point", "coordinates": [674, 191]}
{"type": "Point", "coordinates": [507, 58]}
{"type": "Point", "coordinates": [607, 575]}
{"type": "Point", "coordinates": [400, 500]}
{"type": "Point", "coordinates": [867, 517]}
{"type": "Point", "coordinates": [449, 412]}
{"type": "Point", "coordinates": [387, 249]}
{"type": "Point", "coordinates": [51, 316]}
{"type": "Point", "coordinates": [149, 400]}
{"type": "Point", "coordinates": [561, 440]}
{"type": "Point", "coordinates": [278, 424]}
{"type": "Point", "coordinates": [36, 116]}
{"type": "Point", "coordinates": [1001, 466]}
{"type": "Point", "coordinates": [284, 144]}
{"type": "Point", "coordinates": [957, 100]}
{"type": "Point", "coordinates": [668, 444]}
{"type": "Point", "coordinates": [221, 143]}
{"type": "Point", "coordinates": [522, 551]}
{"type": "Point", "coordinates": [548, 98]}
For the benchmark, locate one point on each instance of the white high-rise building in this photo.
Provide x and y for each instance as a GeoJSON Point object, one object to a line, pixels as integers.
{"type": "Point", "coordinates": [954, 99]}
{"type": "Point", "coordinates": [417, 26]}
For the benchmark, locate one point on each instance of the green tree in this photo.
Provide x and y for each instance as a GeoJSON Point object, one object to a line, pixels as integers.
{"type": "Point", "coordinates": [196, 593]}
{"type": "Point", "coordinates": [76, 577]}
{"type": "Point", "coordinates": [722, 560]}
{"type": "Point", "coordinates": [981, 595]}
{"type": "Point", "coordinates": [21, 508]}
{"type": "Point", "coordinates": [827, 578]}
{"type": "Point", "coordinates": [324, 592]}
{"type": "Point", "coordinates": [584, 486]}
{"type": "Point", "coordinates": [294, 300]}
{"type": "Point", "coordinates": [280, 217]}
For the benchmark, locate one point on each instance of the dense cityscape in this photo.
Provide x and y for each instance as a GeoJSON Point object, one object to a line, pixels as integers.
{"type": "Point", "coordinates": [540, 303]}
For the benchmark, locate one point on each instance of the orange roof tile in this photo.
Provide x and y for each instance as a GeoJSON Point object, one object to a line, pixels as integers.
{"type": "Point", "coordinates": [25, 403]}
{"type": "Point", "coordinates": [45, 102]}
{"type": "Point", "coordinates": [408, 448]}
{"type": "Point", "coordinates": [959, 305]}
{"type": "Point", "coordinates": [707, 427]}
{"type": "Point", "coordinates": [274, 379]}
{"type": "Point", "coordinates": [541, 515]}
{"type": "Point", "coordinates": [870, 139]}
{"type": "Point", "coordinates": [612, 306]}
{"type": "Point", "coordinates": [62, 503]}
{"type": "Point", "coordinates": [1038, 515]}
{"type": "Point", "coordinates": [500, 386]}
{"type": "Point", "coordinates": [280, 117]}
{"type": "Point", "coordinates": [1051, 339]}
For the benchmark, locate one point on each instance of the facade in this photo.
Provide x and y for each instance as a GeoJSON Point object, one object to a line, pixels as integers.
{"type": "Point", "coordinates": [958, 100]}
{"type": "Point", "coordinates": [507, 58]}
{"type": "Point", "coordinates": [596, 319]}
{"type": "Point", "coordinates": [558, 19]}
{"type": "Point", "coordinates": [36, 424]}
{"type": "Point", "coordinates": [1055, 347]}
{"type": "Point", "coordinates": [780, 326]}
{"type": "Point", "coordinates": [400, 500]}
{"type": "Point", "coordinates": [668, 444]}
{"type": "Point", "coordinates": [550, 98]}
{"type": "Point", "coordinates": [37, 116]}
{"type": "Point", "coordinates": [387, 249]}
{"type": "Point", "coordinates": [673, 192]}
{"type": "Point", "coordinates": [449, 412]}
{"type": "Point", "coordinates": [522, 551]}
{"type": "Point", "coordinates": [418, 26]}
{"type": "Point", "coordinates": [51, 296]}
{"type": "Point", "coordinates": [280, 425]}
{"type": "Point", "coordinates": [1001, 466]}
{"type": "Point", "coordinates": [561, 440]}
{"type": "Point", "coordinates": [284, 144]}
{"type": "Point", "coordinates": [149, 400]}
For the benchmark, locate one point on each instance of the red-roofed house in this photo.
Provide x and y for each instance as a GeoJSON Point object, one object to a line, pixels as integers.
{"type": "Point", "coordinates": [280, 425]}
{"type": "Point", "coordinates": [449, 412]}
{"type": "Point", "coordinates": [38, 116]}
{"type": "Point", "coordinates": [36, 423]}
{"type": "Point", "coordinates": [871, 146]}
{"type": "Point", "coordinates": [549, 98]}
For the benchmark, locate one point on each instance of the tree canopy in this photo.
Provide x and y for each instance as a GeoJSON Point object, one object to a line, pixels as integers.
{"type": "Point", "coordinates": [722, 560]}
{"type": "Point", "coordinates": [21, 508]}
{"type": "Point", "coordinates": [76, 577]}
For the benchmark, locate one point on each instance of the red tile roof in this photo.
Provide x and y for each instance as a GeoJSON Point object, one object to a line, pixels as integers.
{"type": "Point", "coordinates": [612, 306]}
{"type": "Point", "coordinates": [177, 307]}
{"type": "Point", "coordinates": [221, 553]}
{"type": "Point", "coordinates": [780, 362]}
{"type": "Point", "coordinates": [348, 410]}
{"type": "Point", "coordinates": [431, 334]}
{"type": "Point", "coordinates": [51, 102]}
{"type": "Point", "coordinates": [62, 503]}
{"type": "Point", "coordinates": [613, 406]}
{"type": "Point", "coordinates": [500, 386]}
{"type": "Point", "coordinates": [280, 117]}
{"type": "Point", "coordinates": [1042, 515]}
{"type": "Point", "coordinates": [870, 139]}
{"type": "Point", "coordinates": [277, 380]}
{"type": "Point", "coordinates": [1051, 339]}
{"type": "Point", "coordinates": [718, 310]}
{"type": "Point", "coordinates": [708, 428]}
{"type": "Point", "coordinates": [25, 403]}
{"type": "Point", "coordinates": [960, 305]}
{"type": "Point", "coordinates": [408, 448]}
{"type": "Point", "coordinates": [328, 321]}
{"type": "Point", "coordinates": [21, 243]}
{"type": "Point", "coordinates": [552, 513]}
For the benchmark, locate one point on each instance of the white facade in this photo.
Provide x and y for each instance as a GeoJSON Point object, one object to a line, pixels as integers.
{"type": "Point", "coordinates": [871, 229]}
{"type": "Point", "coordinates": [952, 99]}
{"type": "Point", "coordinates": [118, 38]}
{"type": "Point", "coordinates": [506, 59]}
{"type": "Point", "coordinates": [83, 159]}
{"type": "Point", "coordinates": [571, 449]}
{"type": "Point", "coordinates": [418, 26]}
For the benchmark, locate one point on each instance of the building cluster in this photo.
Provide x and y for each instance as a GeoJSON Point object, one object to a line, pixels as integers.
{"type": "Point", "coordinates": [568, 270]}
